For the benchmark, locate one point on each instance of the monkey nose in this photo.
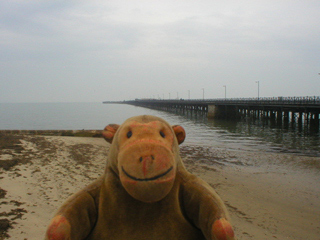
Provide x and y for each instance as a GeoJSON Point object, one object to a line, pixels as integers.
{"type": "Point", "coordinates": [146, 163]}
{"type": "Point", "coordinates": [146, 158]}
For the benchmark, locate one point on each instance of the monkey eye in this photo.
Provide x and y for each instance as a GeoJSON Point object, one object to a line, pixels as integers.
{"type": "Point", "coordinates": [162, 134]}
{"type": "Point", "coordinates": [129, 134]}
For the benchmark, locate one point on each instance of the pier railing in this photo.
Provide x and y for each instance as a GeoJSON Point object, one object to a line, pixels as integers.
{"type": "Point", "coordinates": [314, 100]}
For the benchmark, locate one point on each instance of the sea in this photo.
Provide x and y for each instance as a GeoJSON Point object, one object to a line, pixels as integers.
{"type": "Point", "coordinates": [234, 135]}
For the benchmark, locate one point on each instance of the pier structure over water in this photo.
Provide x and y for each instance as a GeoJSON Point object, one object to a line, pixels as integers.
{"type": "Point", "coordinates": [284, 110]}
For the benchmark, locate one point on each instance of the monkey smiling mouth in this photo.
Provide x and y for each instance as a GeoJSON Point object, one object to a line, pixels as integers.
{"type": "Point", "coordinates": [147, 179]}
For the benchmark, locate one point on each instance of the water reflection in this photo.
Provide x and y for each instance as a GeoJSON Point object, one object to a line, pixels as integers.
{"type": "Point", "coordinates": [277, 138]}
{"type": "Point", "coordinates": [249, 133]}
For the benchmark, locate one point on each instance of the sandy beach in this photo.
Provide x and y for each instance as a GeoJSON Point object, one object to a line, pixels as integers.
{"type": "Point", "coordinates": [37, 173]}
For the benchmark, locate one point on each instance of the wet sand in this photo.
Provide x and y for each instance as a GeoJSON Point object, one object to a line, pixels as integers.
{"type": "Point", "coordinates": [37, 173]}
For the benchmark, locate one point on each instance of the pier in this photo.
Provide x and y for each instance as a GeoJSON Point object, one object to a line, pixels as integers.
{"type": "Point", "coordinates": [282, 110]}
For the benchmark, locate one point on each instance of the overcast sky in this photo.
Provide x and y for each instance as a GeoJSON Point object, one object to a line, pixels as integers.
{"type": "Point", "coordinates": [84, 51]}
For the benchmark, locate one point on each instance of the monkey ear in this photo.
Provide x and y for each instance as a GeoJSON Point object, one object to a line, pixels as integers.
{"type": "Point", "coordinates": [109, 132]}
{"type": "Point", "coordinates": [179, 132]}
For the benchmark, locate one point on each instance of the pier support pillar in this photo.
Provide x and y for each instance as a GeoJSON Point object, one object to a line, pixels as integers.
{"type": "Point", "coordinates": [211, 111]}
{"type": "Point", "coordinates": [222, 111]}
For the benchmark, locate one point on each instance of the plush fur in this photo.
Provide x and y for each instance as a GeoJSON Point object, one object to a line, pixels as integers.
{"type": "Point", "coordinates": [145, 193]}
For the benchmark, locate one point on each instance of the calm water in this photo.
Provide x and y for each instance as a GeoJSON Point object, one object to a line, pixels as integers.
{"type": "Point", "coordinates": [244, 134]}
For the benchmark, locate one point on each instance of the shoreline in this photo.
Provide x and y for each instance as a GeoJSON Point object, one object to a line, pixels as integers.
{"type": "Point", "coordinates": [264, 203]}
